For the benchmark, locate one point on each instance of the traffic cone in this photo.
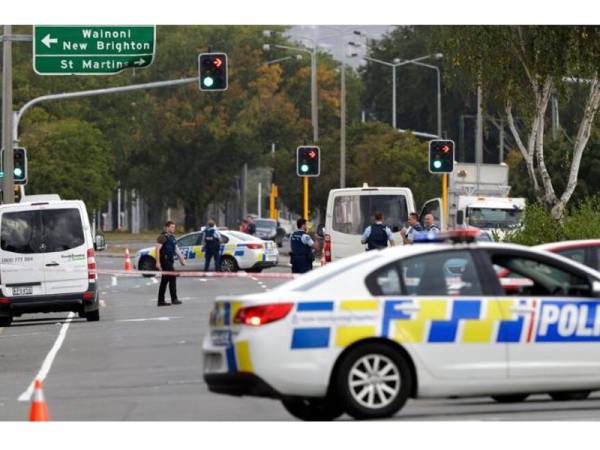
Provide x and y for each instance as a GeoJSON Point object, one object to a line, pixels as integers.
{"type": "Point", "coordinates": [128, 266]}
{"type": "Point", "coordinates": [39, 408]}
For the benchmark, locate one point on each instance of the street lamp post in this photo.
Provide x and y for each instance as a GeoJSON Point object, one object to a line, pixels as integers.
{"type": "Point", "coordinates": [439, 92]}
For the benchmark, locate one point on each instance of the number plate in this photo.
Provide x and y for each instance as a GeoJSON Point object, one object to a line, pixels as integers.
{"type": "Point", "coordinates": [25, 290]}
{"type": "Point", "coordinates": [221, 337]}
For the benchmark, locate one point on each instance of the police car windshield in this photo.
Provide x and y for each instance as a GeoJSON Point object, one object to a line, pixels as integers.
{"type": "Point", "coordinates": [353, 213]}
{"type": "Point", "coordinates": [494, 217]}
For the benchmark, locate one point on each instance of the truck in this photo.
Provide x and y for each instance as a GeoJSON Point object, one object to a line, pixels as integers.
{"type": "Point", "coordinates": [478, 196]}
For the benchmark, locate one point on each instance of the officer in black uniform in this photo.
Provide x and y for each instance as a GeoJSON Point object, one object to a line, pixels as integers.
{"type": "Point", "coordinates": [302, 247]}
{"type": "Point", "coordinates": [166, 250]}
{"type": "Point", "coordinates": [377, 235]}
{"type": "Point", "coordinates": [212, 246]}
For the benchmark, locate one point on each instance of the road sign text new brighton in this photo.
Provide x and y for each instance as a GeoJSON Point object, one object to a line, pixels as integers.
{"type": "Point", "coordinates": [91, 50]}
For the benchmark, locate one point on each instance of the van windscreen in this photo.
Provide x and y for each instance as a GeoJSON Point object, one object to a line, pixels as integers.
{"type": "Point", "coordinates": [41, 231]}
{"type": "Point", "coordinates": [353, 213]}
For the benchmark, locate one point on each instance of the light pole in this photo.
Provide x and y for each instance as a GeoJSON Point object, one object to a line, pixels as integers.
{"type": "Point", "coordinates": [439, 91]}
{"type": "Point", "coordinates": [285, 58]}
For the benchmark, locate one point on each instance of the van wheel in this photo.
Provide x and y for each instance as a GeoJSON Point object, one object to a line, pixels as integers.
{"type": "Point", "coordinates": [228, 264]}
{"type": "Point", "coordinates": [510, 398]}
{"type": "Point", "coordinates": [373, 381]}
{"type": "Point", "coordinates": [564, 396]}
{"type": "Point", "coordinates": [93, 316]}
{"type": "Point", "coordinates": [5, 321]}
{"type": "Point", "coordinates": [312, 409]}
{"type": "Point", "coordinates": [147, 263]}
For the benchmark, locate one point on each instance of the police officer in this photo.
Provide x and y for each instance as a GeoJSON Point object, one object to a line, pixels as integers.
{"type": "Point", "coordinates": [212, 246]}
{"type": "Point", "coordinates": [414, 226]}
{"type": "Point", "coordinates": [377, 235]}
{"type": "Point", "coordinates": [302, 247]}
{"type": "Point", "coordinates": [429, 225]}
{"type": "Point", "coordinates": [166, 250]}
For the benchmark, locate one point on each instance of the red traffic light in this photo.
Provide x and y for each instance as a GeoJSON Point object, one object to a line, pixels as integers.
{"type": "Point", "coordinates": [218, 62]}
{"type": "Point", "coordinates": [445, 148]}
{"type": "Point", "coordinates": [312, 154]}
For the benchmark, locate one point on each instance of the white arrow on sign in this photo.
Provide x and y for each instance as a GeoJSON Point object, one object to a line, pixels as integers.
{"type": "Point", "coordinates": [139, 62]}
{"type": "Point", "coordinates": [48, 40]}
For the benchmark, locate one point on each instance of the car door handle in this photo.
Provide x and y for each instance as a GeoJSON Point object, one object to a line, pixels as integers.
{"type": "Point", "coordinates": [52, 264]}
{"type": "Point", "coordinates": [407, 307]}
{"type": "Point", "coordinates": [521, 309]}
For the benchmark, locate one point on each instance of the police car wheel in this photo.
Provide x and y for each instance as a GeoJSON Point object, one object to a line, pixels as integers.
{"type": "Point", "coordinates": [5, 321]}
{"type": "Point", "coordinates": [373, 381]}
{"type": "Point", "coordinates": [311, 409]}
{"type": "Point", "coordinates": [510, 398]}
{"type": "Point", "coordinates": [147, 263]}
{"type": "Point", "coordinates": [228, 264]}
{"type": "Point", "coordinates": [565, 396]}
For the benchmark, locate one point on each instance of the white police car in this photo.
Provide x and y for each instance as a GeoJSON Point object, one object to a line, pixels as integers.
{"type": "Point", "coordinates": [363, 334]}
{"type": "Point", "coordinates": [239, 251]}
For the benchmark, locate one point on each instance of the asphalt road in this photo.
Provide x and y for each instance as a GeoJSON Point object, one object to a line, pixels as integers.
{"type": "Point", "coordinates": [143, 363]}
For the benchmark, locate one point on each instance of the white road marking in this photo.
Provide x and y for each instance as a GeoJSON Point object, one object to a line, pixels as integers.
{"type": "Point", "coordinates": [149, 319]}
{"type": "Point", "coordinates": [47, 364]}
{"type": "Point", "coordinates": [102, 303]}
{"type": "Point", "coordinates": [113, 281]}
{"type": "Point", "coordinates": [154, 280]}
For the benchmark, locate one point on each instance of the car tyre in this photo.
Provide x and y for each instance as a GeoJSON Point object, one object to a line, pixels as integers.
{"type": "Point", "coordinates": [147, 263]}
{"type": "Point", "coordinates": [5, 321]}
{"type": "Point", "coordinates": [510, 398]}
{"type": "Point", "coordinates": [373, 381]}
{"type": "Point", "coordinates": [255, 270]}
{"type": "Point", "coordinates": [93, 316]}
{"type": "Point", "coordinates": [229, 264]}
{"type": "Point", "coordinates": [573, 395]}
{"type": "Point", "coordinates": [313, 409]}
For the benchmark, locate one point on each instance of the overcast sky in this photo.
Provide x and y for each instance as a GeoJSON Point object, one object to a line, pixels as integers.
{"type": "Point", "coordinates": [334, 43]}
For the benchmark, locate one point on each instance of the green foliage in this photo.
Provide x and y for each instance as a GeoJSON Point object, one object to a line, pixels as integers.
{"type": "Point", "coordinates": [581, 222]}
{"type": "Point", "coordinates": [72, 158]}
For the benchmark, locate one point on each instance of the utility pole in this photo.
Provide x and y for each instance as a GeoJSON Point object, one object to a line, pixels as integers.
{"type": "Point", "coordinates": [8, 195]}
{"type": "Point", "coordinates": [479, 126]}
{"type": "Point", "coordinates": [343, 129]}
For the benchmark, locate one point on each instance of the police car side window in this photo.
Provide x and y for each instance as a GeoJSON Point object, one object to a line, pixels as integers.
{"type": "Point", "coordinates": [188, 241]}
{"type": "Point", "coordinates": [544, 279]}
{"type": "Point", "coordinates": [385, 281]}
{"type": "Point", "coordinates": [441, 273]}
{"type": "Point", "coordinates": [576, 254]}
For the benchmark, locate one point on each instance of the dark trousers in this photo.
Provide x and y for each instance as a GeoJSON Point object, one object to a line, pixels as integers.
{"type": "Point", "coordinates": [301, 264]}
{"type": "Point", "coordinates": [171, 280]}
{"type": "Point", "coordinates": [210, 255]}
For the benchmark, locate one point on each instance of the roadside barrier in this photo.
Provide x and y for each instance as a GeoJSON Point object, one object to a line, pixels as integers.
{"type": "Point", "coordinates": [39, 409]}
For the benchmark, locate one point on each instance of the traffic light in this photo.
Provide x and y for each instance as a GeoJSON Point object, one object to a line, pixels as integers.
{"type": "Point", "coordinates": [441, 156]}
{"type": "Point", "coordinates": [212, 68]}
{"type": "Point", "coordinates": [20, 166]}
{"type": "Point", "coordinates": [308, 161]}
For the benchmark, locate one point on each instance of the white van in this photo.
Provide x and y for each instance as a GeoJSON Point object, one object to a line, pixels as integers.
{"type": "Point", "coordinates": [350, 211]}
{"type": "Point", "coordinates": [47, 260]}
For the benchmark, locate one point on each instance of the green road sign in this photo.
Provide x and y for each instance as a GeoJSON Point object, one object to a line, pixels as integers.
{"type": "Point", "coordinates": [91, 50]}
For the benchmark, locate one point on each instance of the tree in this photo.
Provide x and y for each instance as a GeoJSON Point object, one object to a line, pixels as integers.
{"type": "Point", "coordinates": [72, 158]}
{"type": "Point", "coordinates": [520, 67]}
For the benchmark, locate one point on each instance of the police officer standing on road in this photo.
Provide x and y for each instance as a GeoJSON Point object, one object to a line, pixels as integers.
{"type": "Point", "coordinates": [212, 246]}
{"type": "Point", "coordinates": [166, 250]}
{"type": "Point", "coordinates": [377, 235]}
{"type": "Point", "coordinates": [251, 227]}
{"type": "Point", "coordinates": [429, 224]}
{"type": "Point", "coordinates": [302, 248]}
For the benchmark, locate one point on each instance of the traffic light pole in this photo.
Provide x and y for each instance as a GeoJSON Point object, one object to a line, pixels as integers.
{"type": "Point", "coordinates": [8, 195]}
{"type": "Point", "coordinates": [445, 199]}
{"type": "Point", "coordinates": [305, 198]}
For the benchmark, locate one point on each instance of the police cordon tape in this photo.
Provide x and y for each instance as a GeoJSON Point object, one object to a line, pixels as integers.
{"type": "Point", "coordinates": [190, 274]}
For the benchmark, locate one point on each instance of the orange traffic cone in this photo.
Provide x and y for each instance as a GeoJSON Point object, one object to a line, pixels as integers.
{"type": "Point", "coordinates": [128, 266]}
{"type": "Point", "coordinates": [39, 408]}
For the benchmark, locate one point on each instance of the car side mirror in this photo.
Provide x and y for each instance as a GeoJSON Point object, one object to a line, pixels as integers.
{"type": "Point", "coordinates": [99, 243]}
{"type": "Point", "coordinates": [320, 230]}
{"type": "Point", "coordinates": [460, 217]}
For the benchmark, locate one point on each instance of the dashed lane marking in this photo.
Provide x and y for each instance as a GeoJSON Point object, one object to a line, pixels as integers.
{"type": "Point", "coordinates": [150, 319]}
{"type": "Point", "coordinates": [47, 364]}
{"type": "Point", "coordinates": [102, 303]}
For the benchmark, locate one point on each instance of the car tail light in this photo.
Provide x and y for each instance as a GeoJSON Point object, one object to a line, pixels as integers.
{"type": "Point", "coordinates": [255, 246]}
{"type": "Point", "coordinates": [4, 300]}
{"type": "Point", "coordinates": [89, 295]}
{"type": "Point", "coordinates": [91, 263]}
{"type": "Point", "coordinates": [260, 315]}
{"type": "Point", "coordinates": [327, 248]}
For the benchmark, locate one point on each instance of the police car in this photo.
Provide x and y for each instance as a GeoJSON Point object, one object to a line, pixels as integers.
{"type": "Point", "coordinates": [363, 334]}
{"type": "Point", "coordinates": [239, 251]}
